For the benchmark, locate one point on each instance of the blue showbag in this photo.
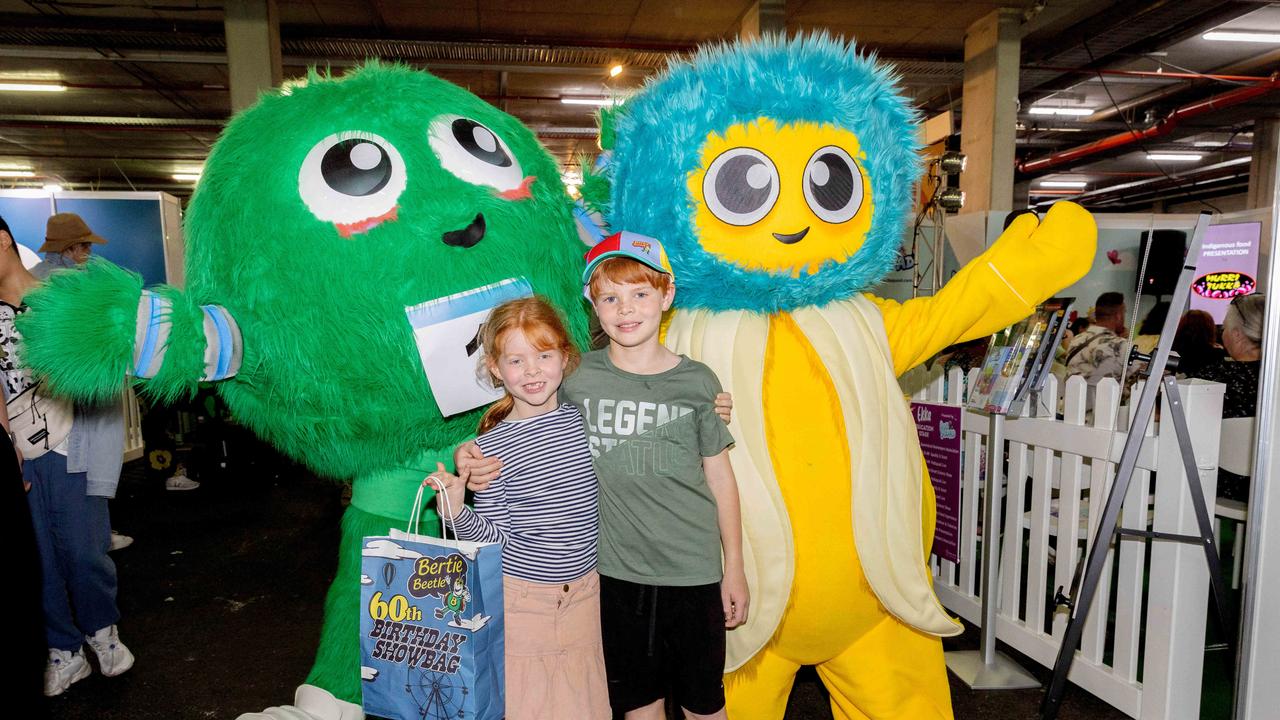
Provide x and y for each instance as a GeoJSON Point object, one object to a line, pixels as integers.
{"type": "Point", "coordinates": [431, 628]}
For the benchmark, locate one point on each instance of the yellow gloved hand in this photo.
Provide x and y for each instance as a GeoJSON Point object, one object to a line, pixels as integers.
{"type": "Point", "coordinates": [1037, 259]}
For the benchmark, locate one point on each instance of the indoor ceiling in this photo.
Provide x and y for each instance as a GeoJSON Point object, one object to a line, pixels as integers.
{"type": "Point", "coordinates": [147, 82]}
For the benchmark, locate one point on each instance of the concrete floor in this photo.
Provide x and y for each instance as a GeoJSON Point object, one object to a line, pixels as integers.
{"type": "Point", "coordinates": [222, 590]}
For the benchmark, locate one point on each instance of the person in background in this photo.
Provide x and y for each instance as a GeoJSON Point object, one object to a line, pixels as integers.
{"type": "Point", "coordinates": [1195, 342]}
{"type": "Point", "coordinates": [1242, 337]}
{"type": "Point", "coordinates": [68, 243]}
{"type": "Point", "coordinates": [70, 486]}
{"type": "Point", "coordinates": [1102, 350]}
{"type": "Point", "coordinates": [27, 640]}
{"type": "Point", "coordinates": [1149, 331]}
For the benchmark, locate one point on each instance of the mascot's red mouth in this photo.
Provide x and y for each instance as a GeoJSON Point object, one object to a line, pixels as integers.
{"type": "Point", "coordinates": [519, 193]}
{"type": "Point", "coordinates": [347, 230]}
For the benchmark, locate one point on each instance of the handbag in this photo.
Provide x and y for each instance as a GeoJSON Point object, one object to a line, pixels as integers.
{"type": "Point", "coordinates": [37, 422]}
{"type": "Point", "coordinates": [431, 626]}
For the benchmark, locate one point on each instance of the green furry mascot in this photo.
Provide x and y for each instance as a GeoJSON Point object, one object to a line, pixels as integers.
{"type": "Point", "coordinates": [323, 213]}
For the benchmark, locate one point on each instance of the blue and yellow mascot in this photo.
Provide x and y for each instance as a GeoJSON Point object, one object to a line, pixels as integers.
{"type": "Point", "coordinates": [779, 174]}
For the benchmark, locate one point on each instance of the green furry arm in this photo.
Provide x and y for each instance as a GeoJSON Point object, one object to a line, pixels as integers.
{"type": "Point", "coordinates": [182, 362]}
{"type": "Point", "coordinates": [78, 333]}
{"type": "Point", "coordinates": [88, 330]}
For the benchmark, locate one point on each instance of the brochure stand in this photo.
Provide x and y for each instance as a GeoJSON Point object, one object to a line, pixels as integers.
{"type": "Point", "coordinates": [1082, 592]}
{"type": "Point", "coordinates": [1015, 369]}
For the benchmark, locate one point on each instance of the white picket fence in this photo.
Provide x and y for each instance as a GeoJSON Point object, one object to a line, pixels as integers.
{"type": "Point", "coordinates": [1143, 645]}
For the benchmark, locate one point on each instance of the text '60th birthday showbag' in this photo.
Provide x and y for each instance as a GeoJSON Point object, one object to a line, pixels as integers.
{"type": "Point", "coordinates": [431, 628]}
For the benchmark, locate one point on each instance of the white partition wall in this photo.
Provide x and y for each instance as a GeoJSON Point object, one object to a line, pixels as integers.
{"type": "Point", "coordinates": [1147, 661]}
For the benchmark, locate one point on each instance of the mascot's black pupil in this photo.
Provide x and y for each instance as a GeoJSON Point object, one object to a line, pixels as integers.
{"type": "Point", "coordinates": [480, 142]}
{"type": "Point", "coordinates": [831, 181]}
{"type": "Point", "coordinates": [356, 167]}
{"type": "Point", "coordinates": [743, 184]}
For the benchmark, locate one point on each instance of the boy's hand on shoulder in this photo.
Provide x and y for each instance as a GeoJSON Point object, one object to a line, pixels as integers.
{"type": "Point", "coordinates": [724, 406]}
{"type": "Point", "coordinates": [735, 596]}
{"type": "Point", "coordinates": [480, 470]}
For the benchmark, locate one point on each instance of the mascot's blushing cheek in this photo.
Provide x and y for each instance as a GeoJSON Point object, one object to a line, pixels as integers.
{"type": "Point", "coordinates": [781, 199]}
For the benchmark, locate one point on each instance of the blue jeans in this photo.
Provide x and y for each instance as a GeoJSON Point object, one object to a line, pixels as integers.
{"type": "Point", "coordinates": [73, 534]}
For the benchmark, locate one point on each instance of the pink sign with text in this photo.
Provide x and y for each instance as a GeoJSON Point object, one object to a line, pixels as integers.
{"type": "Point", "coordinates": [1227, 267]}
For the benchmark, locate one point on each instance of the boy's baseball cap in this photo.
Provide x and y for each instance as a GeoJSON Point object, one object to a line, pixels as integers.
{"type": "Point", "coordinates": [640, 248]}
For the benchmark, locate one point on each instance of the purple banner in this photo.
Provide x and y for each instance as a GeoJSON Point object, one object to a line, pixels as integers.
{"type": "Point", "coordinates": [938, 427]}
{"type": "Point", "coordinates": [1227, 267]}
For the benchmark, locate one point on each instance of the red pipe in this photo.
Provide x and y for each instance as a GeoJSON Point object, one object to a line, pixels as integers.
{"type": "Point", "coordinates": [1160, 129]}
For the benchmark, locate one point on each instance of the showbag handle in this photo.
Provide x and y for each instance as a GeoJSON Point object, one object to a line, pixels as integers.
{"type": "Point", "coordinates": [415, 515]}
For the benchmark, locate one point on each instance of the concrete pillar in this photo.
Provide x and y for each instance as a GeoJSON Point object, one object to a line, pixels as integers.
{"type": "Point", "coordinates": [253, 49]}
{"type": "Point", "coordinates": [764, 16]}
{"type": "Point", "coordinates": [992, 46]}
{"type": "Point", "coordinates": [1262, 171]}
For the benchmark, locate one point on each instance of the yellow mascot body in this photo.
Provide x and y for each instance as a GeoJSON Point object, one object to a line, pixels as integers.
{"type": "Point", "coordinates": [786, 210]}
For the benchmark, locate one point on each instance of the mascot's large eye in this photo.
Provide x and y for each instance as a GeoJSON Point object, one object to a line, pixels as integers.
{"type": "Point", "coordinates": [351, 176]}
{"type": "Point", "coordinates": [741, 186]}
{"type": "Point", "coordinates": [833, 185]}
{"type": "Point", "coordinates": [474, 153]}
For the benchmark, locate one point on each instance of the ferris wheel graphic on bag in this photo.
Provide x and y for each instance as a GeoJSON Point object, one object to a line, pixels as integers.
{"type": "Point", "coordinates": [439, 696]}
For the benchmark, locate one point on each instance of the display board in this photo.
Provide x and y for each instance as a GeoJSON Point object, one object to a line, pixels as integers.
{"type": "Point", "coordinates": [142, 229]}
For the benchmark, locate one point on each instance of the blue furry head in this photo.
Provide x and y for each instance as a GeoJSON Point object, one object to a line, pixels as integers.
{"type": "Point", "coordinates": [814, 79]}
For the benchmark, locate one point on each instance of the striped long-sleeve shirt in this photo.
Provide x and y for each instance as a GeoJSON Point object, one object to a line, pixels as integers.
{"type": "Point", "coordinates": [544, 507]}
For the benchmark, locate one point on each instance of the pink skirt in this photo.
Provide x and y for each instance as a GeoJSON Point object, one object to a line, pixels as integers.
{"type": "Point", "coordinates": [555, 658]}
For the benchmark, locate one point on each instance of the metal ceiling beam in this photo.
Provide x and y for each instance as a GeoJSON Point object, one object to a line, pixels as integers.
{"type": "Point", "coordinates": [1135, 27]}
{"type": "Point", "coordinates": [1161, 129]}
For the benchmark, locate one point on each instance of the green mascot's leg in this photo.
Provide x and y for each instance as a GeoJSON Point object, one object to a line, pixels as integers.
{"type": "Point", "coordinates": [337, 666]}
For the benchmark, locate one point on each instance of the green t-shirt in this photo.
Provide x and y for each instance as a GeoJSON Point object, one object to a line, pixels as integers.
{"type": "Point", "coordinates": [648, 435]}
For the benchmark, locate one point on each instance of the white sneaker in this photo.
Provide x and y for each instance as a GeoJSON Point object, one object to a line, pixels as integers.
{"type": "Point", "coordinates": [180, 482]}
{"type": "Point", "coordinates": [119, 541]}
{"type": "Point", "coordinates": [64, 668]}
{"type": "Point", "coordinates": [312, 703]}
{"type": "Point", "coordinates": [113, 657]}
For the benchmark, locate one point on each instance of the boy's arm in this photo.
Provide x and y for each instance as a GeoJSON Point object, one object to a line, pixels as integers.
{"type": "Point", "coordinates": [724, 487]}
{"type": "Point", "coordinates": [470, 458]}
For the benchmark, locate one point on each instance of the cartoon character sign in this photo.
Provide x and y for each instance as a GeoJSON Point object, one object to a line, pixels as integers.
{"type": "Point", "coordinates": [779, 176]}
{"type": "Point", "coordinates": [455, 601]}
{"type": "Point", "coordinates": [324, 212]}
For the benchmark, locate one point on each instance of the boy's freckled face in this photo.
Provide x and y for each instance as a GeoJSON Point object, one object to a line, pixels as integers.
{"type": "Point", "coordinates": [631, 313]}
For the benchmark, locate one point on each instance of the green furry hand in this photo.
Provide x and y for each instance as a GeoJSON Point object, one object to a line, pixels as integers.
{"type": "Point", "coordinates": [78, 335]}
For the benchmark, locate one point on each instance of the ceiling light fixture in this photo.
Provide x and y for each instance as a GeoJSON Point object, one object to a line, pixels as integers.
{"type": "Point", "coordinates": [1048, 110]}
{"type": "Point", "coordinates": [186, 177]}
{"type": "Point", "coordinates": [52, 188]}
{"type": "Point", "coordinates": [16, 174]}
{"type": "Point", "coordinates": [1063, 184]}
{"type": "Point", "coordinates": [32, 87]}
{"type": "Point", "coordinates": [588, 100]}
{"type": "Point", "coordinates": [615, 71]}
{"type": "Point", "coordinates": [1252, 36]}
{"type": "Point", "coordinates": [1174, 157]}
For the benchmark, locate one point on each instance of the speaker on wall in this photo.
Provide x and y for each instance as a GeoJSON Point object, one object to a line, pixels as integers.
{"type": "Point", "coordinates": [1164, 263]}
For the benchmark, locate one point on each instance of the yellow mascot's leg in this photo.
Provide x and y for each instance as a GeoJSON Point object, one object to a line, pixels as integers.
{"type": "Point", "coordinates": [891, 672]}
{"type": "Point", "coordinates": [759, 690]}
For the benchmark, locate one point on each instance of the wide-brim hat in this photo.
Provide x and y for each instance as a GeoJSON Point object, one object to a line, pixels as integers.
{"type": "Point", "coordinates": [66, 229]}
{"type": "Point", "coordinates": [641, 248]}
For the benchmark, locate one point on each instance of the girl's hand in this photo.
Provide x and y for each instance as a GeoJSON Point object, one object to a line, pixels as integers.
{"type": "Point", "coordinates": [735, 597]}
{"type": "Point", "coordinates": [448, 486]}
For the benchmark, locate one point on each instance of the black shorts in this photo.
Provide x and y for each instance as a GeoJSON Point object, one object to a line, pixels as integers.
{"type": "Point", "coordinates": [663, 638]}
